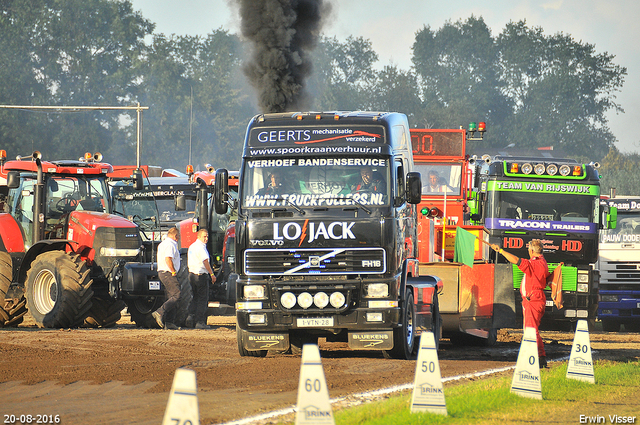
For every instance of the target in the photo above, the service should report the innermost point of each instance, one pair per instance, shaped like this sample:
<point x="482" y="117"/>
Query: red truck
<point x="472" y="299"/>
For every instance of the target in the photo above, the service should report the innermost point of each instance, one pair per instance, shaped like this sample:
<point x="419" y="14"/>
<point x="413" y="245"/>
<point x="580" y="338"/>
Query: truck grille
<point x="569" y="277"/>
<point x="314" y="261"/>
<point x="621" y="275"/>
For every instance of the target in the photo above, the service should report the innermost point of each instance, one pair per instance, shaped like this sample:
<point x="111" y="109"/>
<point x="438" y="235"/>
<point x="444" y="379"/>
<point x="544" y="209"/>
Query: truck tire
<point x="140" y="310"/>
<point x="404" y="340"/>
<point x="12" y="311"/>
<point x="299" y="339"/>
<point x="104" y="313"/>
<point x="611" y="326"/>
<point x="241" y="336"/>
<point x="6" y="275"/>
<point x="58" y="290"/>
<point x="436" y="323"/>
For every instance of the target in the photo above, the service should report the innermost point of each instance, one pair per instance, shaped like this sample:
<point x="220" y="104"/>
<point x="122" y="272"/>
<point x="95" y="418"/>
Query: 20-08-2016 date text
<point x="31" y="419"/>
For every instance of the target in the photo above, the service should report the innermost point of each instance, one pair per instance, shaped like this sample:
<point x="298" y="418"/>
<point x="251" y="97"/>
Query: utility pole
<point x="137" y="108"/>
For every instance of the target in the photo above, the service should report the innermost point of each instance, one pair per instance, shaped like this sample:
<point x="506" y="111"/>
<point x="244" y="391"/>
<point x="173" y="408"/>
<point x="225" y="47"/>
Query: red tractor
<point x="61" y="249"/>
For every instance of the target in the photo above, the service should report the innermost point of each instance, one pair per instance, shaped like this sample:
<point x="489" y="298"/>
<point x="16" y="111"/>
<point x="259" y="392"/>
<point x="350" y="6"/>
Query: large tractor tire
<point x="6" y="275"/>
<point x="404" y="338"/>
<point x="140" y="310"/>
<point x="5" y="281"/>
<point x="58" y="290"/>
<point x="104" y="313"/>
<point x="12" y="311"/>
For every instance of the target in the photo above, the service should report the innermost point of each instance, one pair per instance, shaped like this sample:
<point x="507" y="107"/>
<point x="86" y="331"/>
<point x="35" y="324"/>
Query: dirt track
<point x="124" y="374"/>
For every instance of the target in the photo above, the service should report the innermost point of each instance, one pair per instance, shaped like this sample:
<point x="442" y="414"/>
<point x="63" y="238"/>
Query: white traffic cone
<point x="182" y="407"/>
<point x="581" y="362"/>
<point x="314" y="407"/>
<point x="526" y="377"/>
<point x="428" y="393"/>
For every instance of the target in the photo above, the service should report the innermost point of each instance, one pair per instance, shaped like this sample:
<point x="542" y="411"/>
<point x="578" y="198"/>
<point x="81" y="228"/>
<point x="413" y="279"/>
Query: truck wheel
<point x="140" y="310"/>
<point x="241" y="337"/>
<point x="492" y="339"/>
<point x="436" y="323"/>
<point x="611" y="326"/>
<point x="632" y="327"/>
<point x="6" y="275"/>
<point x="58" y="290"/>
<point x="297" y="340"/>
<point x="404" y="340"/>
<point x="104" y="313"/>
<point x="12" y="311"/>
<point x="9" y="314"/>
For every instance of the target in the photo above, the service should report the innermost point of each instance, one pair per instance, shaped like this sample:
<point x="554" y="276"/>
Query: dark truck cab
<point x="558" y="202"/>
<point x="322" y="251"/>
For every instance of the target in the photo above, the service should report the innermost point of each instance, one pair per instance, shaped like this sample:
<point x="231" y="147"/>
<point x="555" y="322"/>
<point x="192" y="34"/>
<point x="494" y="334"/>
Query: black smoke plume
<point x="282" y="33"/>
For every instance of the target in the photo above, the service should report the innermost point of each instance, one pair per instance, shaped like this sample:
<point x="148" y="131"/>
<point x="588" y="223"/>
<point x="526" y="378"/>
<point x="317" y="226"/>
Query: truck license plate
<point x="315" y="322"/>
<point x="154" y="285"/>
<point x="549" y="303"/>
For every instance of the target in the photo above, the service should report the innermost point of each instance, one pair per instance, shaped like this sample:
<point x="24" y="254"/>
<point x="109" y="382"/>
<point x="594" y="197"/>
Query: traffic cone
<point x="428" y="394"/>
<point x="182" y="407"/>
<point x="526" y="377"/>
<point x="314" y="407"/>
<point x="581" y="362"/>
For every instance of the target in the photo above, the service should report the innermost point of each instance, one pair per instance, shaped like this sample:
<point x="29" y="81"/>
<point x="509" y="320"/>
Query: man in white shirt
<point x="200" y="273"/>
<point x="168" y="266"/>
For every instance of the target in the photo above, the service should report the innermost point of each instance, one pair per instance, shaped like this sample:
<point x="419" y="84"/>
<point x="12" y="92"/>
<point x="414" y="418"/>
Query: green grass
<point x="489" y="401"/>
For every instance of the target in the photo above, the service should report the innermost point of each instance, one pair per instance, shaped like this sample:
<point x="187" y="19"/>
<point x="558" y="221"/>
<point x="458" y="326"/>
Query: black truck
<point x="556" y="201"/>
<point x="325" y="238"/>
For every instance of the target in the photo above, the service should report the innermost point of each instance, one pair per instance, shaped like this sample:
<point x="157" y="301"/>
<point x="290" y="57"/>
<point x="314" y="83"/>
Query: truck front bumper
<point x="269" y="320"/>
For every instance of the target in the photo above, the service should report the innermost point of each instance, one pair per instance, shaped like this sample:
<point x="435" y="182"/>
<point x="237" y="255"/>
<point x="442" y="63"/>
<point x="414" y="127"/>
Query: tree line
<point x="532" y="89"/>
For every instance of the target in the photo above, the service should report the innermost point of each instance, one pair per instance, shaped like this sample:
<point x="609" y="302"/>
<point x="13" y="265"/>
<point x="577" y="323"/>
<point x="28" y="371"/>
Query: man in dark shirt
<point x="368" y="182"/>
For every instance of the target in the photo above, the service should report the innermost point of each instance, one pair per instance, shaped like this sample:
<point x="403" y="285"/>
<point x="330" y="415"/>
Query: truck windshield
<point x="316" y="182"/>
<point x="627" y="229"/>
<point x="142" y="205"/>
<point x="438" y="179"/>
<point x="69" y="193"/>
<point x="541" y="206"/>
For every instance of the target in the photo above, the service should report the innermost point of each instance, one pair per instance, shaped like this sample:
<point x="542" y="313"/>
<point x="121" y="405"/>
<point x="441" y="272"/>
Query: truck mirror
<point x="180" y="203"/>
<point x="612" y="218"/>
<point x="138" y="182"/>
<point x="13" y="179"/>
<point x="413" y="193"/>
<point x="220" y="190"/>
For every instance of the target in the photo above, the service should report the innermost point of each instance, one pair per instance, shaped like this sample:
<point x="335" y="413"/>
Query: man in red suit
<point x="535" y="271"/>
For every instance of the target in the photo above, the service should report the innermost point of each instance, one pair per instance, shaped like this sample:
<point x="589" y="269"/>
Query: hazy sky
<point x="611" y="25"/>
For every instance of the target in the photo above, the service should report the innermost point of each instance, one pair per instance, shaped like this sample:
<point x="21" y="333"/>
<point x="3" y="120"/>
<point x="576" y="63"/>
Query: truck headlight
<point x="253" y="292"/>
<point x="377" y="290"/>
<point x="305" y="300"/>
<point x="583" y="277"/>
<point x="288" y="300"/>
<point x="321" y="300"/>
<point x="583" y="287"/>
<point x="119" y="252"/>
<point x="337" y="299"/>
